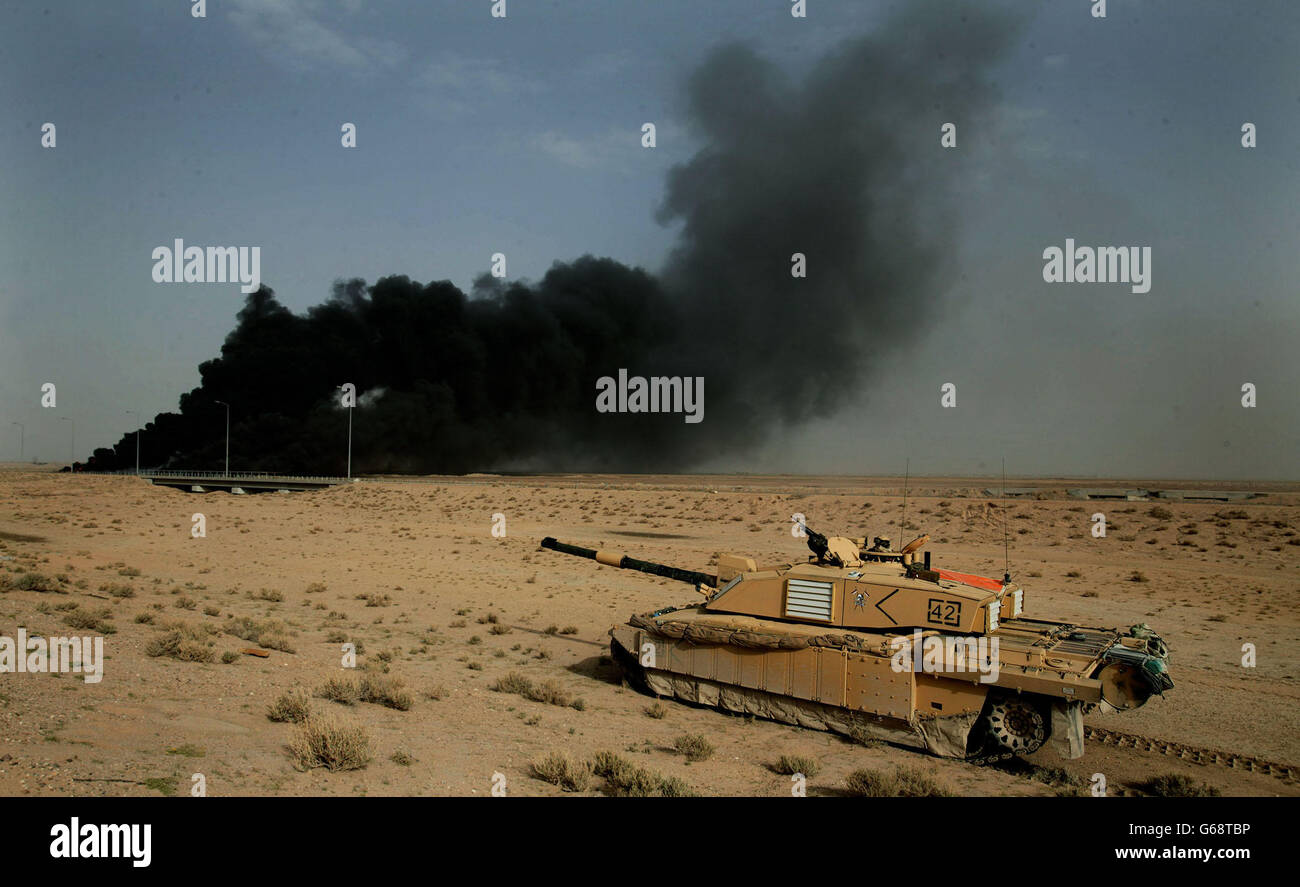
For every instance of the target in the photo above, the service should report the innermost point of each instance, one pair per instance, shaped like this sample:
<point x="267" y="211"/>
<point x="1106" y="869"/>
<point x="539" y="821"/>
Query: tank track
<point x="988" y="760"/>
<point x="1207" y="757"/>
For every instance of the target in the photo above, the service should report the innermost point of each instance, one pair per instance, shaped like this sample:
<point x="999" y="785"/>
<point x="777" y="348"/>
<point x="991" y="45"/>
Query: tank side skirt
<point x="832" y="689"/>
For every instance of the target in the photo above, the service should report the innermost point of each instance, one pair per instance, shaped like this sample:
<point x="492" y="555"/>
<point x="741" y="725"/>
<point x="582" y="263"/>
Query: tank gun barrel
<point x="618" y="559"/>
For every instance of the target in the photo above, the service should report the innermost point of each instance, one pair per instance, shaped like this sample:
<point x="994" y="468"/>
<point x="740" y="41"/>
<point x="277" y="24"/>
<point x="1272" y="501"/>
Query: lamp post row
<point x="138" y="432"/>
<point x="72" y="445"/>
<point x="227" y="406"/>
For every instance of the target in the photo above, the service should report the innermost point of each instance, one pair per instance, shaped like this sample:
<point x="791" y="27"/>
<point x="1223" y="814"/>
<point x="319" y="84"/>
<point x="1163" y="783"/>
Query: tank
<point x="875" y="643"/>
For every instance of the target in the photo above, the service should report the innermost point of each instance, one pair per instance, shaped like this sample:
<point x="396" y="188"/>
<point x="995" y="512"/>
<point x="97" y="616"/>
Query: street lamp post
<point x="22" y="432"/>
<point x="227" y="406"/>
<point x="137" y="441"/>
<point x="72" y="445"/>
<point x="341" y="388"/>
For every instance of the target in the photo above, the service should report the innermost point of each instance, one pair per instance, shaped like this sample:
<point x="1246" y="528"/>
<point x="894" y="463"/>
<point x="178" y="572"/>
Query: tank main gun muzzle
<point x="618" y="559"/>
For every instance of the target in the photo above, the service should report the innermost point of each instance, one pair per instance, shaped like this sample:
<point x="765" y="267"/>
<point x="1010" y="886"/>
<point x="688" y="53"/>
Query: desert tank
<point x="871" y="642"/>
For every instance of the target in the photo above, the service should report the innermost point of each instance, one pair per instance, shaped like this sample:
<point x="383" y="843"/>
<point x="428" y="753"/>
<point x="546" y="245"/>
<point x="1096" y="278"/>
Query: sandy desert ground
<point x="412" y="572"/>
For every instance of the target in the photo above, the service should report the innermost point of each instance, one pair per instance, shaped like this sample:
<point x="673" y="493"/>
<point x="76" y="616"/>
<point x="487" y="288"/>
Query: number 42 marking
<point x="942" y="612"/>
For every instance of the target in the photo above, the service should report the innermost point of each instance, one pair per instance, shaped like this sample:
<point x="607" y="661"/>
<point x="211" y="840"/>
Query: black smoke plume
<point x="844" y="167"/>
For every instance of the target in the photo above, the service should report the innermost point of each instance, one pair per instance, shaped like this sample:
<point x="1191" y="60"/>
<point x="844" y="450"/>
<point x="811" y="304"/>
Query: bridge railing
<point x="241" y="475"/>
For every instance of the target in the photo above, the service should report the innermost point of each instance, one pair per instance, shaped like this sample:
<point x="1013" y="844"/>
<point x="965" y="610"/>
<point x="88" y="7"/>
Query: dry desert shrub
<point x="276" y="640"/>
<point x="1176" y="785"/>
<point x="548" y="692"/>
<point x="90" y="620"/>
<point x="386" y="691"/>
<point x="34" y="582"/>
<point x="903" y="782"/>
<point x="512" y="682"/>
<point x="184" y="643"/>
<point x="375" y="688"/>
<point x="270" y="633"/>
<point x="788" y="765"/>
<point x="694" y="746"/>
<point x="1065" y="783"/>
<point x="164" y="785"/>
<point x="293" y="706"/>
<point x="558" y="768"/>
<point x="624" y="779"/>
<point x="118" y="589"/>
<point x="341" y="690"/>
<point x="325" y="740"/>
<point x="199" y="631"/>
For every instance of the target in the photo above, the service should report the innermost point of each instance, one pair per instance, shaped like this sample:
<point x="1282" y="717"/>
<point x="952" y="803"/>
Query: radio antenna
<point x="907" y="473"/>
<point x="1006" y="545"/>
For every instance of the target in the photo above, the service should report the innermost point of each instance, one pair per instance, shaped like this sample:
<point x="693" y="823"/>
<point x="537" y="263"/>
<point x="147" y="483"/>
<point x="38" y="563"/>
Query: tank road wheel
<point x="1015" y="725"/>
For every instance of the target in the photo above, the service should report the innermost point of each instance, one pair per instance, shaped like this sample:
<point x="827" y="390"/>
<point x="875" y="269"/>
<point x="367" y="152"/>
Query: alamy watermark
<point x="102" y="841"/>
<point x="40" y="655"/>
<point x="1103" y="264"/>
<point x="657" y="394"/>
<point x="945" y="654"/>
<point x="214" y="264"/>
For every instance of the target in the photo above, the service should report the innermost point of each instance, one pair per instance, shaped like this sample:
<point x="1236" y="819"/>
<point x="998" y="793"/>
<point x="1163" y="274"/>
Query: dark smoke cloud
<point x="844" y="167"/>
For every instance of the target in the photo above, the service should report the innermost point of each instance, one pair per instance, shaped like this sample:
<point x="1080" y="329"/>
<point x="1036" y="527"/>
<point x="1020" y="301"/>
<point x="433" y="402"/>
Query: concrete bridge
<point x="240" y="481"/>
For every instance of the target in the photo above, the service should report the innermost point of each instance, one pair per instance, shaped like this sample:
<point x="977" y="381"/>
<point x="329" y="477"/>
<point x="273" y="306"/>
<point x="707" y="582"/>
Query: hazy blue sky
<point x="522" y="136"/>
